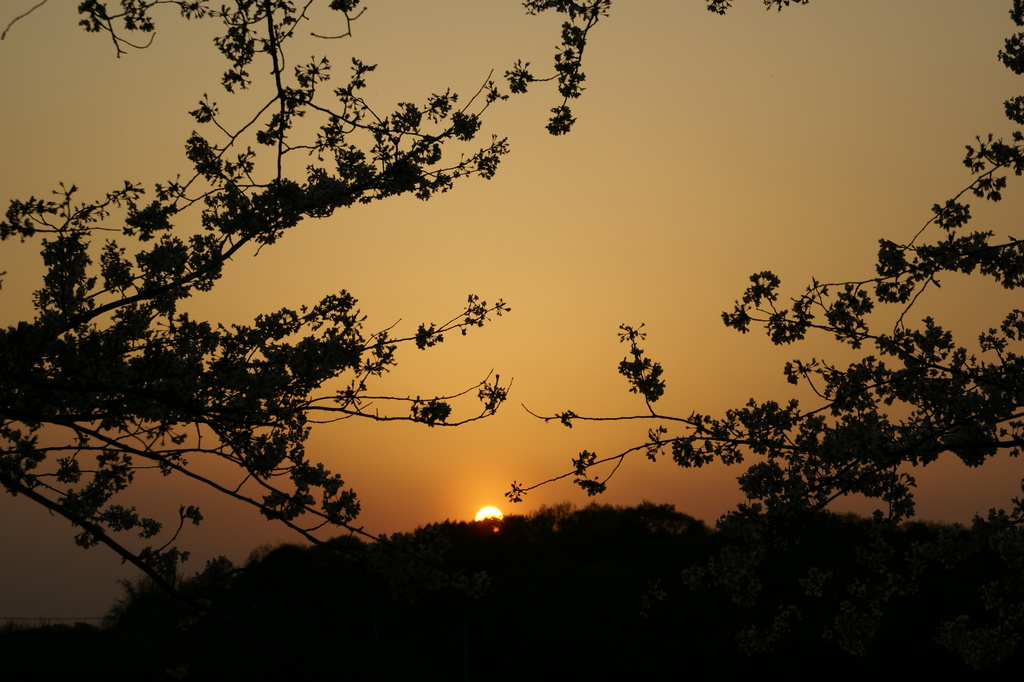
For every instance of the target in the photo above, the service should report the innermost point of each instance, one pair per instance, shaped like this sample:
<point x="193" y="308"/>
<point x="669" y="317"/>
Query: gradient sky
<point x="706" y="148"/>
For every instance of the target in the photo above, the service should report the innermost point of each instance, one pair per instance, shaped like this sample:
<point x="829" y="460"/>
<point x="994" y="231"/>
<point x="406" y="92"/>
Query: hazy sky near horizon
<point x="706" y="148"/>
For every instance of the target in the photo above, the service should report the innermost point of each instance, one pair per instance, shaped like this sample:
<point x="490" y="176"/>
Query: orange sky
<point x="707" y="148"/>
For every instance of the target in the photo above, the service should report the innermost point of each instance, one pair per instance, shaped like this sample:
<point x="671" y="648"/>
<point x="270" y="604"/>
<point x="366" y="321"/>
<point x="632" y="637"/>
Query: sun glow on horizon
<point x="489" y="513"/>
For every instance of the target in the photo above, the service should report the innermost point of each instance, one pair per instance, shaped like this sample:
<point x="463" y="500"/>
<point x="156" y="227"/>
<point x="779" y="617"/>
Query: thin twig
<point x="21" y="16"/>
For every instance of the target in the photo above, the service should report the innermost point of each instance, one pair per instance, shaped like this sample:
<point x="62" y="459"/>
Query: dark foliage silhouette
<point x="111" y="378"/>
<point x="566" y="589"/>
<point x="916" y="394"/>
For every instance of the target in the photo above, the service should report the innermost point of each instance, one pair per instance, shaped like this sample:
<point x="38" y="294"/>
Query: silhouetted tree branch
<point x="110" y="368"/>
<point x="915" y="394"/>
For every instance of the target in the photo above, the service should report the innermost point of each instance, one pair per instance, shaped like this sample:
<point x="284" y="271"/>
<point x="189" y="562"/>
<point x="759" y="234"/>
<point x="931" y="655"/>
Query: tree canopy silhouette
<point x="558" y="581"/>
<point x="110" y="377"/>
<point x="916" y="393"/>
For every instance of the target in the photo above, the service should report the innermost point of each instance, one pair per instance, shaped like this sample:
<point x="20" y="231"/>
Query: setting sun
<point x="489" y="513"/>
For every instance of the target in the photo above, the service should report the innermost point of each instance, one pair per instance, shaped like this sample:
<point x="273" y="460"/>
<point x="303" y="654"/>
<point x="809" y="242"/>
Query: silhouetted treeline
<point x="560" y="594"/>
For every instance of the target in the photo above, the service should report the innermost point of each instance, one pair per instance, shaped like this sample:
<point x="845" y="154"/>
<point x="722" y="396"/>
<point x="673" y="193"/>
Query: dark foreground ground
<point x="592" y="593"/>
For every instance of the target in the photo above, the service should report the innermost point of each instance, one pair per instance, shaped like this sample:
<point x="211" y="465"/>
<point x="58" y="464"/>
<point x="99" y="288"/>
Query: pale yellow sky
<point x="707" y="148"/>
